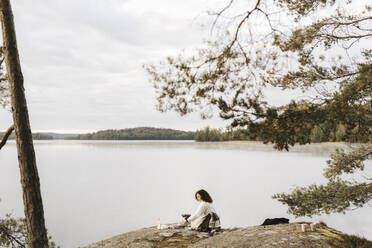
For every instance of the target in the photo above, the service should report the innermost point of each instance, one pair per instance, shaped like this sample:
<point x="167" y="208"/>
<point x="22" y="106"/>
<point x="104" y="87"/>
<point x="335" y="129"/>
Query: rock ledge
<point x="281" y="236"/>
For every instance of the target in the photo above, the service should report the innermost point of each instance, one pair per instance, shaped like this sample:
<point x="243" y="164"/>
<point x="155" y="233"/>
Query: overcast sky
<point x="82" y="60"/>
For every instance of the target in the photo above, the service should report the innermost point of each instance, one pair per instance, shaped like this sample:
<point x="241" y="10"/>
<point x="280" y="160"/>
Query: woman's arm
<point x="198" y="213"/>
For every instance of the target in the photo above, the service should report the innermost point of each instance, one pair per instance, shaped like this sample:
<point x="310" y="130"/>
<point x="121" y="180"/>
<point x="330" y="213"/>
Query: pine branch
<point x="12" y="238"/>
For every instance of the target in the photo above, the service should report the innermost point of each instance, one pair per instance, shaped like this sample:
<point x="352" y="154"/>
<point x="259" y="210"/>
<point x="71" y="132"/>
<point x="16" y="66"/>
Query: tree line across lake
<point x="323" y="133"/>
<point x="139" y="133"/>
<point x="35" y="136"/>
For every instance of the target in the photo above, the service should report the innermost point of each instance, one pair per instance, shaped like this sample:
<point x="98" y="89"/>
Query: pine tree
<point x="321" y="47"/>
<point x="34" y="213"/>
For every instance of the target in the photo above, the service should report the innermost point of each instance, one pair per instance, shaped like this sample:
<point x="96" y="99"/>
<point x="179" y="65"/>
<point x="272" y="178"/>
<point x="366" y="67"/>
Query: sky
<point x="82" y="61"/>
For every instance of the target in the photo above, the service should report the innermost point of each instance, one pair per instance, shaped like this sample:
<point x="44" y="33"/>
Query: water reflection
<point x="315" y="149"/>
<point x="96" y="189"/>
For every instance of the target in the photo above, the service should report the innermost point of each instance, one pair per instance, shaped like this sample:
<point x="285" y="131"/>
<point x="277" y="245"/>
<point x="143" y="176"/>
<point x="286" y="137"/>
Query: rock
<point x="202" y="235"/>
<point x="141" y="245"/>
<point x="155" y="238"/>
<point x="188" y="233"/>
<point x="279" y="236"/>
<point x="174" y="240"/>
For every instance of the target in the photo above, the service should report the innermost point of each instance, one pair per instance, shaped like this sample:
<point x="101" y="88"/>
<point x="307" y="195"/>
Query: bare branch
<point x="352" y="22"/>
<point x="220" y="13"/>
<point x="344" y="37"/>
<point x="6" y="136"/>
<point x="242" y="22"/>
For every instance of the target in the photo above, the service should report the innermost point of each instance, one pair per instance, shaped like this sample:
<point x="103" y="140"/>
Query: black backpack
<point x="275" y="221"/>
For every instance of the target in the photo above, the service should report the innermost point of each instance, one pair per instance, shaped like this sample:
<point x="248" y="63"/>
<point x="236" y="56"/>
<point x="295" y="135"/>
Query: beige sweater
<point x="203" y="210"/>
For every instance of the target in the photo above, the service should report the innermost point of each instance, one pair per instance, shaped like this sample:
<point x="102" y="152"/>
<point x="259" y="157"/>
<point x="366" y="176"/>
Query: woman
<point x="205" y="218"/>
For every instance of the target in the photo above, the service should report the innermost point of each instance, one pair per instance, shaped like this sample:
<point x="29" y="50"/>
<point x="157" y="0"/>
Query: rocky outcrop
<point x="281" y="236"/>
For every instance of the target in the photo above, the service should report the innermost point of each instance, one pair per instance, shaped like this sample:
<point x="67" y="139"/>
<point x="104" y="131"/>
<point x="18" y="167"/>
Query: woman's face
<point x="198" y="197"/>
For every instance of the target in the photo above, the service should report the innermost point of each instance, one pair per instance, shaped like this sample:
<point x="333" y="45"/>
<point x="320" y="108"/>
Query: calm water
<point x="93" y="190"/>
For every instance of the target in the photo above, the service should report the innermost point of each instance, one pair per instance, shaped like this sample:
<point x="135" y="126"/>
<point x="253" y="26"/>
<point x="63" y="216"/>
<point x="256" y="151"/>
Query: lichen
<point x="176" y="240"/>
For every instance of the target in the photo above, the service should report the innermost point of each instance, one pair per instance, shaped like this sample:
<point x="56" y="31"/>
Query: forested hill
<point x="139" y="133"/>
<point x="35" y="136"/>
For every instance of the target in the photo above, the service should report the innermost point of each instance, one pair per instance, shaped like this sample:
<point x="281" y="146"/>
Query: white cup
<point x="303" y="227"/>
<point x="312" y="227"/>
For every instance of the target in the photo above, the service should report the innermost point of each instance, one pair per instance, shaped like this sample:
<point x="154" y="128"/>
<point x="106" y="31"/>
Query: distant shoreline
<point x="138" y="133"/>
<point x="206" y="135"/>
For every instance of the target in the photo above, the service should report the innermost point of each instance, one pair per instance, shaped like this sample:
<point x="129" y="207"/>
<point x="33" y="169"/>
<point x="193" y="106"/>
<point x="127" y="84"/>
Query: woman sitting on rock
<point x="205" y="218"/>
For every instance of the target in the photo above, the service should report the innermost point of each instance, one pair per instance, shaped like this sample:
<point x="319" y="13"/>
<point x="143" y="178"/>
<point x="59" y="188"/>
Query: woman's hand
<point x="183" y="223"/>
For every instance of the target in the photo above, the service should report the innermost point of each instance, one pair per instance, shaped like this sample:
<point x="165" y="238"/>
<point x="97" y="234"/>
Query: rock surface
<point x="283" y="236"/>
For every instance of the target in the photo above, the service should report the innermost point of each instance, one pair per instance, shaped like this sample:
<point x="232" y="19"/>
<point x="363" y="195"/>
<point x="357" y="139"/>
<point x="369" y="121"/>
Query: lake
<point x="93" y="190"/>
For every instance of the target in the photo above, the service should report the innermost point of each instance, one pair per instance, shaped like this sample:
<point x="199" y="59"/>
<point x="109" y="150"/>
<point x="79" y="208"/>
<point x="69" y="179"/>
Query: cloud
<point x="82" y="60"/>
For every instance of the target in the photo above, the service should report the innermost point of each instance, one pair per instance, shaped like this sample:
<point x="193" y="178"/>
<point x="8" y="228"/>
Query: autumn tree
<point x="34" y="213"/>
<point x="321" y="47"/>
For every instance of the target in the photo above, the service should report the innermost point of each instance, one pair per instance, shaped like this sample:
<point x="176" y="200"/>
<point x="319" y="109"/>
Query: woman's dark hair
<point x="204" y="196"/>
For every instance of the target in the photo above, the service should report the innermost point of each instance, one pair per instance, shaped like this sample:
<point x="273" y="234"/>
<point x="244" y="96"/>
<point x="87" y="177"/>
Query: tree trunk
<point x="36" y="231"/>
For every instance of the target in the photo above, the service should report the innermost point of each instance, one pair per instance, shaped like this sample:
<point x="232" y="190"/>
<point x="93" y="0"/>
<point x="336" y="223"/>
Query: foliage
<point x="320" y="47"/>
<point x="324" y="133"/>
<point x="336" y="196"/>
<point x="213" y="134"/>
<point x="139" y="133"/>
<point x="13" y="233"/>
